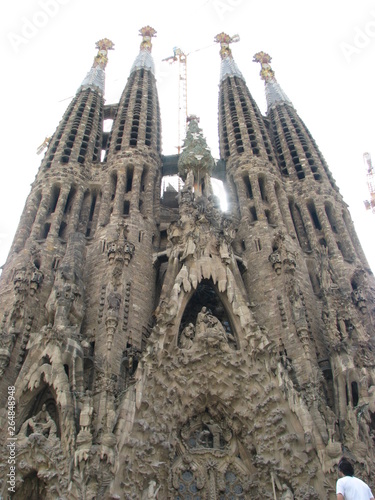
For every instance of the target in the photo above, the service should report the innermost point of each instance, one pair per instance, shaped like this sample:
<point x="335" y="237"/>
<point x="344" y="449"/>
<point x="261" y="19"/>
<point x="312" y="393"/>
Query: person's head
<point x="345" y="467"/>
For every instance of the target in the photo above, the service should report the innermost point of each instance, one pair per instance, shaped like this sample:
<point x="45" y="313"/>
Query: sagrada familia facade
<point x="154" y="346"/>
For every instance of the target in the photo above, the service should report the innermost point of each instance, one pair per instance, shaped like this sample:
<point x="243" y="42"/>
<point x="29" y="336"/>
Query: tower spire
<point x="241" y="125"/>
<point x="96" y="76"/>
<point x="137" y="120"/>
<point x="228" y="65"/>
<point x="78" y="136"/>
<point x="274" y="92"/>
<point x="144" y="58"/>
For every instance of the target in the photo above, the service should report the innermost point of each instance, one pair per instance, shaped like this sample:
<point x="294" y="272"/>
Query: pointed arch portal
<point x="207" y="296"/>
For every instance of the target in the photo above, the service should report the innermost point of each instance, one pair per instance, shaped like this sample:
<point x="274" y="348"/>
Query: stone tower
<point x="156" y="347"/>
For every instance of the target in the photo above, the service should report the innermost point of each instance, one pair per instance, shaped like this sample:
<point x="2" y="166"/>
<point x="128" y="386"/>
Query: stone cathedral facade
<point x="161" y="348"/>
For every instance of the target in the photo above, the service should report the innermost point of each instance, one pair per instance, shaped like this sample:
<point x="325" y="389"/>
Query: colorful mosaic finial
<point x="147" y="33"/>
<point x="192" y="118"/>
<point x="144" y="58"/>
<point x="196" y="156"/>
<point x="103" y="47"/>
<point x="274" y="93"/>
<point x="228" y="66"/>
<point x="224" y="41"/>
<point x="266" y="73"/>
<point x="95" y="78"/>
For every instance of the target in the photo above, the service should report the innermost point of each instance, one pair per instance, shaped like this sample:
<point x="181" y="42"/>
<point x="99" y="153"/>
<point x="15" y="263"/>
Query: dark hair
<point x="346" y="467"/>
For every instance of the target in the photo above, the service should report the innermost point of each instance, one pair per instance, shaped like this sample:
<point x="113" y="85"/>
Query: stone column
<point x="284" y="210"/>
<point x="311" y="235"/>
<point x="26" y="222"/>
<point x="76" y="209"/>
<point x="272" y="200"/>
<point x="241" y="194"/>
<point x="343" y="232"/>
<point x="41" y="216"/>
<point x="104" y="213"/>
<point x="118" y="205"/>
<point x="258" y="203"/>
<point x="59" y="211"/>
<point x="327" y="231"/>
<point x="134" y="198"/>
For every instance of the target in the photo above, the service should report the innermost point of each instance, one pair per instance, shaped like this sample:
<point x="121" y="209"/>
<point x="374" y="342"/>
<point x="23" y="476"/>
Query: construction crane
<point x="370" y="173"/>
<point x="181" y="57"/>
<point x="43" y="146"/>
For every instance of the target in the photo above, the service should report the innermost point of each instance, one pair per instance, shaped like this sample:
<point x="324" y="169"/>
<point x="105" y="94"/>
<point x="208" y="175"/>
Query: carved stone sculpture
<point x="41" y="423"/>
<point x="187" y="336"/>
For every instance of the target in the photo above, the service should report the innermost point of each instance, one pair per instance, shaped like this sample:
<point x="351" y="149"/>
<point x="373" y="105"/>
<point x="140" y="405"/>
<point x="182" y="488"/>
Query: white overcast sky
<point x="323" y="55"/>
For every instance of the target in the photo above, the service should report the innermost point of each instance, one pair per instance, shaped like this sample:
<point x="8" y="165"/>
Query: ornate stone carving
<point x="20" y="281"/>
<point x="205" y="432"/>
<point x="108" y="448"/>
<point x="325" y="270"/>
<point x="210" y="330"/>
<point x="114" y="302"/>
<point x="187" y="336"/>
<point x="120" y="251"/>
<point x="151" y="491"/>
<point x="36" y="280"/>
<point x="111" y="251"/>
<point x="195" y="161"/>
<point x="41" y="423"/>
<point x="86" y="412"/>
<point x="65" y="304"/>
<point x="7" y="341"/>
<point x="287" y="493"/>
<point x="112" y="317"/>
<point x="129" y="364"/>
<point x="359" y="299"/>
<point x="275" y="259"/>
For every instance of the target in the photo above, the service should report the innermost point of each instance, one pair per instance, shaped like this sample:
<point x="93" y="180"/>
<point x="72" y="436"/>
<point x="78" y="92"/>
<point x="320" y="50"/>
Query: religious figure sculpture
<point x="287" y="493"/>
<point x="209" y="328"/>
<point x="187" y="336"/>
<point x="275" y="259"/>
<point x="151" y="492"/>
<point x="36" y="280"/>
<point x="65" y="303"/>
<point x="41" y="423"/>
